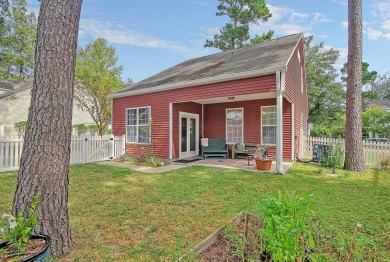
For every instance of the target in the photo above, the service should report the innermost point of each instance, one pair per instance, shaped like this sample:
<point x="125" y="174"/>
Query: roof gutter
<point x="204" y="81"/>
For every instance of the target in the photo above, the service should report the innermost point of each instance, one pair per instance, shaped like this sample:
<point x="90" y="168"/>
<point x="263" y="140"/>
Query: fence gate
<point x="84" y="149"/>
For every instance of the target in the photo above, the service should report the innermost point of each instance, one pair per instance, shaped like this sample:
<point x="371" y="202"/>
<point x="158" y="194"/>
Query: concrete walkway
<point x="238" y="164"/>
<point x="144" y="169"/>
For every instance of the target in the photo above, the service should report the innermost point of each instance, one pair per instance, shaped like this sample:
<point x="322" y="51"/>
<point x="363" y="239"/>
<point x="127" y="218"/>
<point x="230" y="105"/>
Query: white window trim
<point x="261" y="125"/>
<point x="242" y="128"/>
<point x="150" y="126"/>
<point x="300" y="70"/>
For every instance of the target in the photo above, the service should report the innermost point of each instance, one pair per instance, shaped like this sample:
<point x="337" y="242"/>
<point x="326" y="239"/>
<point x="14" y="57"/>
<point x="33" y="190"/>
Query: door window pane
<point x="183" y="134"/>
<point x="192" y="134"/>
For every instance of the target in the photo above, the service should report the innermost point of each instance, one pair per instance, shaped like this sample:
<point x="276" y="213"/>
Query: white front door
<point x="189" y="135"/>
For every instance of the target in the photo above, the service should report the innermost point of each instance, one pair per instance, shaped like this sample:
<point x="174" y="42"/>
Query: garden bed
<point x="236" y="240"/>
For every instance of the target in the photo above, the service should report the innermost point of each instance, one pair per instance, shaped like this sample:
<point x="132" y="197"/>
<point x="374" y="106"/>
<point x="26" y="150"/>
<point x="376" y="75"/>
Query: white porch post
<point x="170" y="131"/>
<point x="279" y="125"/>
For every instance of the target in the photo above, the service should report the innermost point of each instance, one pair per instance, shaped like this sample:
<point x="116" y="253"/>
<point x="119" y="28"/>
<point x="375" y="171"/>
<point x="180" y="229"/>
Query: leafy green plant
<point x="236" y="241"/>
<point x="21" y="128"/>
<point x="289" y="228"/>
<point x="19" y="229"/>
<point x="154" y="161"/>
<point x="320" y="170"/>
<point x="80" y="129"/>
<point x="334" y="157"/>
<point x="127" y="158"/>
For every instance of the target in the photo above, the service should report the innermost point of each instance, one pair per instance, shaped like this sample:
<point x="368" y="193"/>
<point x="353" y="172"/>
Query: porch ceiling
<point x="224" y="99"/>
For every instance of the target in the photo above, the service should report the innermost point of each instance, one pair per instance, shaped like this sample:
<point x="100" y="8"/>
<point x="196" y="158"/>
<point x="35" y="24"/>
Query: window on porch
<point x="268" y="125"/>
<point x="234" y="125"/>
<point x="138" y="125"/>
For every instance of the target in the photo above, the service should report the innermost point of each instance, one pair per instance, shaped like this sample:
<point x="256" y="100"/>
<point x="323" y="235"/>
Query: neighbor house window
<point x="138" y="125"/>
<point x="234" y="125"/>
<point x="268" y="125"/>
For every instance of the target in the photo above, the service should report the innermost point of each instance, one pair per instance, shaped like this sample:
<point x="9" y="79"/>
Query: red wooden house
<point x="255" y="94"/>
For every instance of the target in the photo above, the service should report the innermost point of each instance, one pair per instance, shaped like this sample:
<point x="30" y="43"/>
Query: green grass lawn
<point x="122" y="215"/>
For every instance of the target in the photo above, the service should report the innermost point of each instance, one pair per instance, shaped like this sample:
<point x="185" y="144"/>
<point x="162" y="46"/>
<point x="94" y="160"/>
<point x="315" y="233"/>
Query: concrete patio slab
<point x="241" y="164"/>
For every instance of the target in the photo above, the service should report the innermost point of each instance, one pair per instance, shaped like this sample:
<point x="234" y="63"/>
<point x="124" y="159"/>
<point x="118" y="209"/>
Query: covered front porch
<point x="262" y="118"/>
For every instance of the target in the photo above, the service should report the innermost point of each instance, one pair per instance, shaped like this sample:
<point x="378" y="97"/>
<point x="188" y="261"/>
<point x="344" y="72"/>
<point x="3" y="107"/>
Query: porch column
<point x="279" y="125"/>
<point x="170" y="131"/>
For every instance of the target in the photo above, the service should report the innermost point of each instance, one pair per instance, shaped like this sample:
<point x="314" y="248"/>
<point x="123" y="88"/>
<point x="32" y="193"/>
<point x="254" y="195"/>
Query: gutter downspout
<point x="279" y="125"/>
<point x="170" y="131"/>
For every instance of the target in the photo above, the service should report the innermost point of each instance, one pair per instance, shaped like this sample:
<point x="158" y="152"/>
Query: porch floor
<point x="237" y="164"/>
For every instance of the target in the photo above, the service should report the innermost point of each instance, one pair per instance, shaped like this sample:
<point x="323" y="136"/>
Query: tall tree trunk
<point x="44" y="165"/>
<point x="354" y="159"/>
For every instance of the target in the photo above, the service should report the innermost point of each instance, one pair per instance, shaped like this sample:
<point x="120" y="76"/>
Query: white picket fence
<point x="84" y="149"/>
<point x="373" y="151"/>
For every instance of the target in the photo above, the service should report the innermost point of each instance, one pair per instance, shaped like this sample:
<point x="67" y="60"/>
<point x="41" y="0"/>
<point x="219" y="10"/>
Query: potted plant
<point x="262" y="161"/>
<point x="20" y="244"/>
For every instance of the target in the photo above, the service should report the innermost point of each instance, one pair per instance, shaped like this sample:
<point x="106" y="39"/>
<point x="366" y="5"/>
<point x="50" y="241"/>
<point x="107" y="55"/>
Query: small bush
<point x="320" y="170"/>
<point x="290" y="227"/>
<point x="321" y="131"/>
<point x="334" y="157"/>
<point x="384" y="162"/>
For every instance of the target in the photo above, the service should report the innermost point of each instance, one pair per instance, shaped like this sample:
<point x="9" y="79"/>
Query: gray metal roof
<point x="14" y="87"/>
<point x="271" y="54"/>
<point x="383" y="102"/>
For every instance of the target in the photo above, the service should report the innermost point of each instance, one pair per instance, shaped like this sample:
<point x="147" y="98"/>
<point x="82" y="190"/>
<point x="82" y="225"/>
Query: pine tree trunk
<point x="354" y="158"/>
<point x="44" y="165"/>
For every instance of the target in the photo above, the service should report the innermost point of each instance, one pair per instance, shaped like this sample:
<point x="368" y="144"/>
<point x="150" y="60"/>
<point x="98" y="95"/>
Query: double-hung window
<point x="268" y="125"/>
<point x="138" y="125"/>
<point x="234" y="125"/>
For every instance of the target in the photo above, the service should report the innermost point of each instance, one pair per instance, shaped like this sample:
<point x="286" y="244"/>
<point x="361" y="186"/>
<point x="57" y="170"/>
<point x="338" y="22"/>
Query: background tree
<point x="325" y="94"/>
<point x="382" y="87"/>
<point x="376" y="120"/>
<point x="20" y="127"/>
<point x="44" y="165"/>
<point x="97" y="76"/>
<point x="242" y="13"/>
<point x="17" y="42"/>
<point x="354" y="158"/>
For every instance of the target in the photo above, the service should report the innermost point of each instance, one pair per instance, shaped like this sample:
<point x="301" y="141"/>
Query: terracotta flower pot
<point x="263" y="164"/>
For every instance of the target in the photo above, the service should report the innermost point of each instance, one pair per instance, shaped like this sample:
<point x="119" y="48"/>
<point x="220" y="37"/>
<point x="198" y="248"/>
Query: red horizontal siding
<point x="293" y="89"/>
<point x="159" y="103"/>
<point x="214" y="122"/>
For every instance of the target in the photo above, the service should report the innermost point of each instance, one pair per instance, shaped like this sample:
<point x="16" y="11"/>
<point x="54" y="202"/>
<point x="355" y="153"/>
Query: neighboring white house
<point x="15" y="101"/>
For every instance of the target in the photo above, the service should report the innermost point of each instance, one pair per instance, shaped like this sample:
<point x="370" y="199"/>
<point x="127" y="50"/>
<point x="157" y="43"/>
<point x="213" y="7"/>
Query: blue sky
<point x="150" y="36"/>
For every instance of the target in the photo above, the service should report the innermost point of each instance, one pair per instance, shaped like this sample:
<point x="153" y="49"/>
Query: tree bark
<point x="354" y="158"/>
<point x="44" y="165"/>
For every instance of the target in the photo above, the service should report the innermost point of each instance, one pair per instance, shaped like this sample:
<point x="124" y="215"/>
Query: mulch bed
<point x="225" y="249"/>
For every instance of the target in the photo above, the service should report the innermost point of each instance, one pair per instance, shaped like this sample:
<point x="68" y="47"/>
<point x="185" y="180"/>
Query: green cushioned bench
<point x="216" y="147"/>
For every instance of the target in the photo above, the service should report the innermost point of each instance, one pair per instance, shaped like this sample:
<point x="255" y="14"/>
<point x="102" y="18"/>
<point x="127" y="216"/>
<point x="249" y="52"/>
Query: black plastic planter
<point x="42" y="256"/>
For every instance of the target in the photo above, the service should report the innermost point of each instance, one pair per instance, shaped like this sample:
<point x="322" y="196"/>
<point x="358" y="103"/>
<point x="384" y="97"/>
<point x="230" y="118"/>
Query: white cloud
<point x="121" y="35"/>
<point x="213" y="30"/>
<point x="341" y="2"/>
<point x="383" y="8"/>
<point x="344" y="24"/>
<point x="372" y="34"/>
<point x="319" y="17"/>
<point x="299" y="15"/>
<point x="283" y="22"/>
